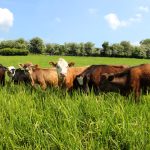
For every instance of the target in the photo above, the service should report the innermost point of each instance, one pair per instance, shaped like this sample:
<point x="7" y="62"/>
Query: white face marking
<point x="80" y="80"/>
<point x="11" y="71"/>
<point x="62" y="67"/>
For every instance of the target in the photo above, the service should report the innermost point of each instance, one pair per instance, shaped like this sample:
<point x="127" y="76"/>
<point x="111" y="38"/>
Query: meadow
<point x="52" y="119"/>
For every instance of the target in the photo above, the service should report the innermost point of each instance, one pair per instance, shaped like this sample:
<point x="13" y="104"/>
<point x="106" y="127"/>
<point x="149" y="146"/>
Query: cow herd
<point x="99" y="78"/>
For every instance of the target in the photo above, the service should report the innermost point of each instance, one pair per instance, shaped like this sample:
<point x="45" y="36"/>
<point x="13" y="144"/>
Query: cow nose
<point x="62" y="75"/>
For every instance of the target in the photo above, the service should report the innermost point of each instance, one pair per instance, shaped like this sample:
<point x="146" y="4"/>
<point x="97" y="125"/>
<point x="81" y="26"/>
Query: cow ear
<point x="35" y="66"/>
<point x="53" y="64"/>
<point x="5" y="68"/>
<point x="21" y="65"/>
<point x="71" y="64"/>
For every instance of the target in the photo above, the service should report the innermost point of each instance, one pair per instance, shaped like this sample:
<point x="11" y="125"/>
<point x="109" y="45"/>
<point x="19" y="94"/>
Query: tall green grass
<point x="53" y="119"/>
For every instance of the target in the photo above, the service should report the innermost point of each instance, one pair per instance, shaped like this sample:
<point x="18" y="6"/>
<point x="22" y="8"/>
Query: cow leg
<point x="96" y="89"/>
<point x="43" y="85"/>
<point x="3" y="80"/>
<point x="137" y="91"/>
<point x="33" y="83"/>
<point x="144" y="90"/>
<point x="86" y="84"/>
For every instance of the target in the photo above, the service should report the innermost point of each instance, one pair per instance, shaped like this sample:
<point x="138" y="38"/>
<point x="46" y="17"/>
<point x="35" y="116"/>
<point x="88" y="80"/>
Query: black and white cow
<point x="18" y="75"/>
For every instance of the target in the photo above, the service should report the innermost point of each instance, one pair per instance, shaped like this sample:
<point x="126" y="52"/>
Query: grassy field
<point x="53" y="120"/>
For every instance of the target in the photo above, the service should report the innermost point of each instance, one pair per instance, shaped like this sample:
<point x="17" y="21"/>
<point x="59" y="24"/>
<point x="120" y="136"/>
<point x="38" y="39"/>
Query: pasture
<point x="53" y="120"/>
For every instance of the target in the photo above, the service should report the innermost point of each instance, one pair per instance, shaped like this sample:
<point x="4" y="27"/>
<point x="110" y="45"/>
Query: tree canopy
<point x="123" y="49"/>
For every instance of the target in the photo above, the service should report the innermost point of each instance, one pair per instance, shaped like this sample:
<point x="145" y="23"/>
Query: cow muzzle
<point x="62" y="75"/>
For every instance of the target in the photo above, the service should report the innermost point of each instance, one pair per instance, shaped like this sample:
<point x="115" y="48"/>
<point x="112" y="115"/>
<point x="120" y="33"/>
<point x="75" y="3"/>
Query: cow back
<point x="45" y="75"/>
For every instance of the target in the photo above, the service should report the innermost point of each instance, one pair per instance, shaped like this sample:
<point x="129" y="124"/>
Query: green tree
<point x="82" y="50"/>
<point x="36" y="45"/>
<point x="127" y="50"/>
<point x="106" y="49"/>
<point x="21" y="43"/>
<point x="50" y="49"/>
<point x="117" y="50"/>
<point x="88" y="47"/>
<point x="56" y="49"/>
<point x="62" y="50"/>
<point x="96" y="51"/>
<point x="72" y="49"/>
<point x="7" y="44"/>
<point x="145" y="44"/>
<point x="138" y="52"/>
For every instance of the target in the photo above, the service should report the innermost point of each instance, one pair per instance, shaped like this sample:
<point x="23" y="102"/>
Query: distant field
<point x="80" y="61"/>
<point x="54" y="120"/>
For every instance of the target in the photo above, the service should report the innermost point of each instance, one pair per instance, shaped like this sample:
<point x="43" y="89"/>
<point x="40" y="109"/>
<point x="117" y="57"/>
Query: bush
<point x="13" y="52"/>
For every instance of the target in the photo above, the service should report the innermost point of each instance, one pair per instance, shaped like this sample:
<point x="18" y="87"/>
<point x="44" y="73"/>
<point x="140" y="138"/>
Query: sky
<point x="60" y="21"/>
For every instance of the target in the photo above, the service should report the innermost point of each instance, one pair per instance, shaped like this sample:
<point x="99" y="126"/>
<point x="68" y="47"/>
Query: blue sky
<point x="60" y="21"/>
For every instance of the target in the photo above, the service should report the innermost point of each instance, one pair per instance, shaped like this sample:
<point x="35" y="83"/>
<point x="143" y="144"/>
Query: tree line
<point x="37" y="46"/>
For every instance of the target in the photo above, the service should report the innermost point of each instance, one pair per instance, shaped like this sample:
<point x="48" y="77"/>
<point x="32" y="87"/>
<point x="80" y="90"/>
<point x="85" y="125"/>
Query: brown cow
<point x="2" y="74"/>
<point x="66" y="73"/>
<point x="25" y="65"/>
<point x="134" y="79"/>
<point x="91" y="77"/>
<point x="44" y="77"/>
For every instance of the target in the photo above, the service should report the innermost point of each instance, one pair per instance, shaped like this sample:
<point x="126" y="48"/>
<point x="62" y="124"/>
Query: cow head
<point x="31" y="68"/>
<point x="62" y="67"/>
<point x="26" y="65"/>
<point x="21" y="75"/>
<point x="11" y="71"/>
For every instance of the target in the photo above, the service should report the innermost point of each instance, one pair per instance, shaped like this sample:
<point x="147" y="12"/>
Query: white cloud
<point x="57" y="19"/>
<point x="114" y="22"/>
<point x="93" y="11"/>
<point x="136" y="18"/>
<point x="144" y="9"/>
<point x="6" y="19"/>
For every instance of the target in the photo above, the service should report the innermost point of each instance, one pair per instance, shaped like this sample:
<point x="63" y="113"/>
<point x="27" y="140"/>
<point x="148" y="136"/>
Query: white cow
<point x="66" y="73"/>
<point x="11" y="72"/>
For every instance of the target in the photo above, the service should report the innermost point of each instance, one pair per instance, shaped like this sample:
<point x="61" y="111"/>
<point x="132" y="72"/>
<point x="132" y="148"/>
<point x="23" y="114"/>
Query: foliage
<point x="13" y="52"/>
<point x="117" y="50"/>
<point x="19" y="44"/>
<point x="72" y="49"/>
<point x="82" y="49"/>
<point x="89" y="47"/>
<point x="138" y="52"/>
<point x="36" y="45"/>
<point x="145" y="44"/>
<point x="127" y="48"/>
<point x="105" y="50"/>
<point x="122" y="49"/>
